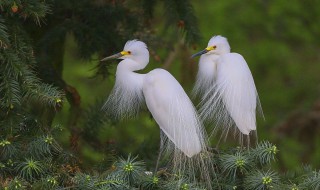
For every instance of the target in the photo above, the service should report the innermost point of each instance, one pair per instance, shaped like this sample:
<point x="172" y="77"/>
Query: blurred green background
<point x="279" y="40"/>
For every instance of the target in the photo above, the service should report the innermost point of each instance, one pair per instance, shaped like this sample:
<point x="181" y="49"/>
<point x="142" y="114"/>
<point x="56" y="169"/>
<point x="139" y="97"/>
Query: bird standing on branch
<point x="227" y="90"/>
<point x="182" y="132"/>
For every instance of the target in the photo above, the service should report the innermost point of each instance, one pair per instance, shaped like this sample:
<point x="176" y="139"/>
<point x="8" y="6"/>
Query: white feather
<point x="184" y="139"/>
<point x="173" y="111"/>
<point x="206" y="75"/>
<point x="126" y="97"/>
<point x="239" y="93"/>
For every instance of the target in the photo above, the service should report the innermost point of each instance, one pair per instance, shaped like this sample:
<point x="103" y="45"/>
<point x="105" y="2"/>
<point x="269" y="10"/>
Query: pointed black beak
<point x="115" y="56"/>
<point x="199" y="53"/>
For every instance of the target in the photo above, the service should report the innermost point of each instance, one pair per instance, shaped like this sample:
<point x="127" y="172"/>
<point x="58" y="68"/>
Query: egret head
<point x="217" y="45"/>
<point x="135" y="50"/>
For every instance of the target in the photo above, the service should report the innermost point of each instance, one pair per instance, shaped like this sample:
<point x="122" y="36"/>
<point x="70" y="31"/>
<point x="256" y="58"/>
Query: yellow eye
<point x="125" y="52"/>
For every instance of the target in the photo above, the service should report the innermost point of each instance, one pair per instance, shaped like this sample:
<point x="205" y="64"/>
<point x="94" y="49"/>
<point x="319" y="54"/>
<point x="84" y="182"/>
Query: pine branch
<point x="130" y="170"/>
<point x="312" y="181"/>
<point x="4" y="36"/>
<point x="112" y="182"/>
<point x="45" y="93"/>
<point x="94" y="119"/>
<point x="17" y="183"/>
<point x="181" y="13"/>
<point x="265" y="152"/>
<point x="262" y="180"/>
<point x="237" y="163"/>
<point x="10" y="91"/>
<point x="31" y="169"/>
<point x="35" y="9"/>
<point x="7" y="149"/>
<point x="44" y="146"/>
<point x="17" y="74"/>
<point x="151" y="182"/>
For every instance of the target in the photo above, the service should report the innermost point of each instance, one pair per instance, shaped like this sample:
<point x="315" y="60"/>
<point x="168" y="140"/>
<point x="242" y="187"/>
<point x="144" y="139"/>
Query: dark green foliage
<point x="148" y="7"/>
<point x="236" y="164"/>
<point x="33" y="9"/>
<point x="4" y="36"/>
<point x="17" y="183"/>
<point x="151" y="182"/>
<point x="18" y="81"/>
<point x="32" y="90"/>
<point x="259" y="180"/>
<point x="130" y="170"/>
<point x="94" y="120"/>
<point x="312" y="180"/>
<point x="8" y="149"/>
<point x="265" y="152"/>
<point x="44" y="146"/>
<point x="31" y="169"/>
<point x="180" y="13"/>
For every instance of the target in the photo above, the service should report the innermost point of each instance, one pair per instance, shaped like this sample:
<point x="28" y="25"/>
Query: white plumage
<point x="173" y="111"/>
<point x="206" y="76"/>
<point x="182" y="137"/>
<point x="226" y="87"/>
<point x="163" y="95"/>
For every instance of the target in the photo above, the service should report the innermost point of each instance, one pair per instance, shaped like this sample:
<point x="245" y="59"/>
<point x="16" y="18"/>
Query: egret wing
<point x="233" y="98"/>
<point x="173" y="111"/>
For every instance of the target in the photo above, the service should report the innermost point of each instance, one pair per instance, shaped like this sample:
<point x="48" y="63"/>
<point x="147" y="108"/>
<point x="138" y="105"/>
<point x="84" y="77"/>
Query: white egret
<point x="226" y="87"/>
<point x="168" y="103"/>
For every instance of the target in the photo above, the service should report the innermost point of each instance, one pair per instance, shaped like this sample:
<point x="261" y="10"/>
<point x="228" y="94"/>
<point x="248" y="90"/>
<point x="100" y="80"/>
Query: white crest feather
<point x="131" y="45"/>
<point x="221" y="43"/>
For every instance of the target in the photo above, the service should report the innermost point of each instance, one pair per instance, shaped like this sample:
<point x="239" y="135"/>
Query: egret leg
<point x="256" y="136"/>
<point x="158" y="160"/>
<point x="241" y="140"/>
<point x="218" y="143"/>
<point x="162" y="142"/>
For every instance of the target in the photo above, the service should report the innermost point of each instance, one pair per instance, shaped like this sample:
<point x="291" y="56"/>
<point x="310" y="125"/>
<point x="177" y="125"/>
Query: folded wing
<point x="173" y="111"/>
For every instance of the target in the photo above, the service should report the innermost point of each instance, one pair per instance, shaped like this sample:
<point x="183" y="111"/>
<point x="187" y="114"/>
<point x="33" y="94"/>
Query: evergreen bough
<point x="30" y="155"/>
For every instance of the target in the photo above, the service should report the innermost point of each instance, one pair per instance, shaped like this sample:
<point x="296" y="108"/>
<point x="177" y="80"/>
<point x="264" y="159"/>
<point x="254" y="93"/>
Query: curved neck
<point x="125" y="75"/>
<point x="209" y="58"/>
<point x="133" y="64"/>
<point x="125" y="72"/>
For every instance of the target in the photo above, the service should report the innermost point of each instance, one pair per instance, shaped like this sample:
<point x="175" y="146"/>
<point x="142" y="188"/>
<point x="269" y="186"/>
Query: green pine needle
<point x="265" y="152"/>
<point x="17" y="184"/>
<point x="312" y="180"/>
<point x="261" y="180"/>
<point x="31" y="169"/>
<point x="237" y="163"/>
<point x="130" y="169"/>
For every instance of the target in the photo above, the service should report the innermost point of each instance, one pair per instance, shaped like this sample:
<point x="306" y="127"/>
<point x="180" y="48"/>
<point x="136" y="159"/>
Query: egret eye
<point x="129" y="52"/>
<point x="214" y="47"/>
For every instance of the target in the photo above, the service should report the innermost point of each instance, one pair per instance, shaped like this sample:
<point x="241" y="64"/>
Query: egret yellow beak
<point x="116" y="56"/>
<point x="203" y="51"/>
